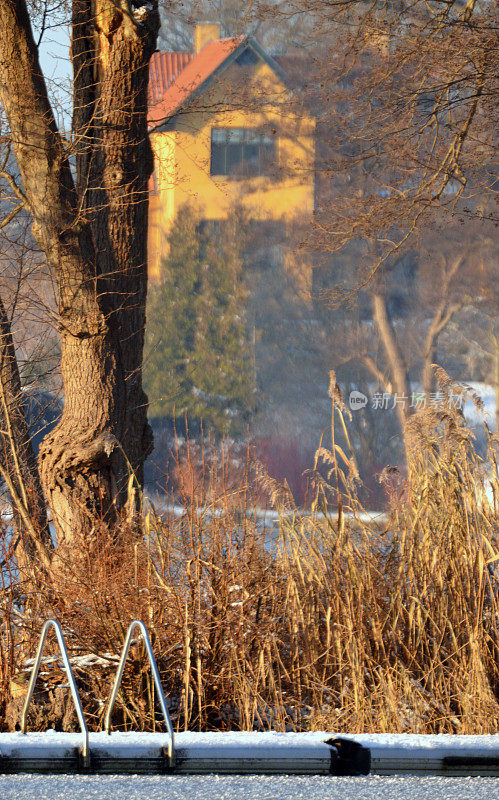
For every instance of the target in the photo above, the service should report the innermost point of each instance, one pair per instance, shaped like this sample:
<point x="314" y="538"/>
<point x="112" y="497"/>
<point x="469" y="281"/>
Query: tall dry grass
<point x="324" y="621"/>
<point x="404" y="623"/>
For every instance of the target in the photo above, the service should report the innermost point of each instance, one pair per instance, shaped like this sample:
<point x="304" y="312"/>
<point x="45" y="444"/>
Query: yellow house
<point x="226" y="128"/>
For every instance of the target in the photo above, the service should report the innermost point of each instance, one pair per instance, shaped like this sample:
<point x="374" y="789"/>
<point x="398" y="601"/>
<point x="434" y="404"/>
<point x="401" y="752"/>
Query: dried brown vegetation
<point x="323" y="622"/>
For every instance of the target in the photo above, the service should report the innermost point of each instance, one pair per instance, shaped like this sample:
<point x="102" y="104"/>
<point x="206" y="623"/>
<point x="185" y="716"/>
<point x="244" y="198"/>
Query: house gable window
<point x="241" y="152"/>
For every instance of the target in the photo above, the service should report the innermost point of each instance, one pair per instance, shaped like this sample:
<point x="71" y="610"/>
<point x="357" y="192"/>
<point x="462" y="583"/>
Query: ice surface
<point x="236" y="787"/>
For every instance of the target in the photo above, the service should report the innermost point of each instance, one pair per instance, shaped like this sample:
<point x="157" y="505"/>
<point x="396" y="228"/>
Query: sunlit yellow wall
<point x="182" y="156"/>
<point x="161" y="200"/>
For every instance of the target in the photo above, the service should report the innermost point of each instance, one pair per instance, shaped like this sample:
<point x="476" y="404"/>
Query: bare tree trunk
<point x="399" y="378"/>
<point x="94" y="237"/>
<point x="428" y="362"/>
<point x="18" y="462"/>
<point x="114" y="160"/>
<point x="398" y="369"/>
<point x="441" y="318"/>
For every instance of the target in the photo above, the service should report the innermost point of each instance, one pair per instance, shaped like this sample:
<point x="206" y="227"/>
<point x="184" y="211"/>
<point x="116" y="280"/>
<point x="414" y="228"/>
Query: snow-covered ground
<point x="236" y="787"/>
<point x="215" y="744"/>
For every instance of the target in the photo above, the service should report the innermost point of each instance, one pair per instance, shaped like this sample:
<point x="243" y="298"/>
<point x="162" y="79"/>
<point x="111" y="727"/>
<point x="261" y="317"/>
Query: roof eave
<point x="166" y="124"/>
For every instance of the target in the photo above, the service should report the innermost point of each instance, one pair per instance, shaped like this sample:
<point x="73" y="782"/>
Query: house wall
<point x="248" y="96"/>
<point x="161" y="199"/>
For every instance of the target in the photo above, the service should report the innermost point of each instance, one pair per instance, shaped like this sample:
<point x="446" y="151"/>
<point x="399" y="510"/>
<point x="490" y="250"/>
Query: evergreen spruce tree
<point x="198" y="353"/>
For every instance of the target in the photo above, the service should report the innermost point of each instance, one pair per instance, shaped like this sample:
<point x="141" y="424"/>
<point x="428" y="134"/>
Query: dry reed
<point x="323" y="621"/>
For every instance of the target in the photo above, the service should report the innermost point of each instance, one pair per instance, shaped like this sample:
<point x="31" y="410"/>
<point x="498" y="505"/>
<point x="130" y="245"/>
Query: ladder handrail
<point x="157" y="682"/>
<point x="69" y="672"/>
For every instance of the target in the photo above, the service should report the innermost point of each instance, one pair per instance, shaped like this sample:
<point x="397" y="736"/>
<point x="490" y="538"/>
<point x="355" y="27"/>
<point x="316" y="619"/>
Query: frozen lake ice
<point x="236" y="787"/>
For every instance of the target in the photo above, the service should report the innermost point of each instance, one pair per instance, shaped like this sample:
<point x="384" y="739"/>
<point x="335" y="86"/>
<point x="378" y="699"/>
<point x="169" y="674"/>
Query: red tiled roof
<point x="164" y="68"/>
<point x="197" y="68"/>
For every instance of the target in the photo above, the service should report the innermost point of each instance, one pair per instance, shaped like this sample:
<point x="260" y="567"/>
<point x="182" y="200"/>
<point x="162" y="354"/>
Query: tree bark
<point x="93" y="233"/>
<point x="115" y="161"/>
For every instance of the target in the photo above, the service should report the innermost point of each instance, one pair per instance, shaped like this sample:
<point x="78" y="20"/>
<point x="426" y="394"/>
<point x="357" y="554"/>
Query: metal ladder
<point x="157" y="682"/>
<point x="52" y="623"/>
<point x="85" y="750"/>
